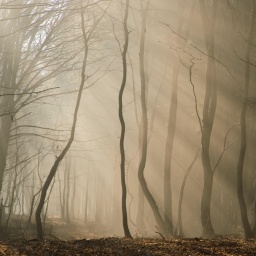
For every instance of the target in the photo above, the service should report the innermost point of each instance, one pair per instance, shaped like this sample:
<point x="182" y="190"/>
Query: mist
<point x="128" y="118"/>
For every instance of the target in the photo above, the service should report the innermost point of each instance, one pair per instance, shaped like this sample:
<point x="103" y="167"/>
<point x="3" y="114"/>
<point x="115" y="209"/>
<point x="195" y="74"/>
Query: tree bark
<point x="66" y="148"/>
<point x="147" y="193"/>
<point x="179" y="231"/>
<point x="240" y="166"/>
<point x="67" y="182"/>
<point x="121" y="119"/>
<point x="72" y="207"/>
<point x="210" y="102"/>
<point x="168" y="152"/>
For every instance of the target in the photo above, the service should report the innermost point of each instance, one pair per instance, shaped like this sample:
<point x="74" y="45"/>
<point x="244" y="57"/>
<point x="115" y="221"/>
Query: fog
<point x="188" y="161"/>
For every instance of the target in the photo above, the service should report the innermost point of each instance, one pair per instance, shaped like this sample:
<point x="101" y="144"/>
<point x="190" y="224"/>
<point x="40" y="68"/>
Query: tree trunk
<point x="168" y="152"/>
<point x="10" y="65"/>
<point x="86" y="200"/>
<point x="147" y="193"/>
<point x="61" y="198"/>
<point x="72" y="207"/>
<point x="140" y="224"/>
<point x="48" y="200"/>
<point x="141" y="228"/>
<point x="240" y="166"/>
<point x="64" y="198"/>
<point x="67" y="195"/>
<point x="121" y="119"/>
<point x="179" y="231"/>
<point x="66" y="148"/>
<point x="210" y="102"/>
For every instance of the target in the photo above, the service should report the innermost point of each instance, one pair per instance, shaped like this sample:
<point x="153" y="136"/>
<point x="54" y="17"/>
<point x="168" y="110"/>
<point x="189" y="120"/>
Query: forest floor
<point x="80" y="244"/>
<point x="123" y="246"/>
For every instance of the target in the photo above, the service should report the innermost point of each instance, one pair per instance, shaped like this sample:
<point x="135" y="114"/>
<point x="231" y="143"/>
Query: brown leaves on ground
<point x="123" y="246"/>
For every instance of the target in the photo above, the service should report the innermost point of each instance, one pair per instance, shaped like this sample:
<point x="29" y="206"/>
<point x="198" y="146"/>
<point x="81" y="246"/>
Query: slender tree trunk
<point x="121" y="119"/>
<point x="98" y="195"/>
<point x="140" y="224"/>
<point x="141" y="228"/>
<point x="10" y="65"/>
<point x="64" y="198"/>
<point x="48" y="200"/>
<point x="67" y="195"/>
<point x="168" y="152"/>
<point x="31" y="209"/>
<point x="72" y="210"/>
<point x="12" y="196"/>
<point x="66" y="148"/>
<point x="240" y="166"/>
<point x="184" y="31"/>
<point x="61" y="198"/>
<point x="179" y="231"/>
<point x="254" y="212"/>
<point x="147" y="193"/>
<point x="7" y="105"/>
<point x="86" y="200"/>
<point x="210" y="102"/>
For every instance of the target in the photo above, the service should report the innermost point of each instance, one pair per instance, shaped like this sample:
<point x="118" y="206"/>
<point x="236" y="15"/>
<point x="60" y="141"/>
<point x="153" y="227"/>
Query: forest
<point x="128" y="118"/>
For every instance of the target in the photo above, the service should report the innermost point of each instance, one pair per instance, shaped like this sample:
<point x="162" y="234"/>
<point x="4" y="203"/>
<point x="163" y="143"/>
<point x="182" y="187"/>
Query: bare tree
<point x="86" y="37"/>
<point x="122" y="122"/>
<point x="241" y="161"/>
<point x="209" y="108"/>
<point x="23" y="61"/>
<point x="142" y="164"/>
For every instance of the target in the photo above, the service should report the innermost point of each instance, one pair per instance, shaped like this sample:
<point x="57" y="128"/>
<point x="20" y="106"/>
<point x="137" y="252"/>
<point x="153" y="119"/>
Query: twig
<point x="161" y="235"/>
<point x="27" y="93"/>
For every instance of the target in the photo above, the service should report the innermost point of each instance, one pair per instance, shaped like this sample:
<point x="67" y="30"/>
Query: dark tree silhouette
<point x="209" y="108"/>
<point x="122" y="122"/>
<point x="72" y="134"/>
<point x="146" y="191"/>
<point x="241" y="161"/>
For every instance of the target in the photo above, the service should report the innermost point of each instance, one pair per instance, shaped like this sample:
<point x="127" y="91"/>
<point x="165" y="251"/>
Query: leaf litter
<point x="124" y="246"/>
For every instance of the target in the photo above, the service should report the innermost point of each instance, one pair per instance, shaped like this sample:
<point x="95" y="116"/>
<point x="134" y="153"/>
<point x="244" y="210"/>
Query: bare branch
<point x="28" y="93"/>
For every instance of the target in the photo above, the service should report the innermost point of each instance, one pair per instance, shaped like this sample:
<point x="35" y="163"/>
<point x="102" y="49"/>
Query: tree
<point x="27" y="48"/>
<point x="142" y="164"/>
<point x="9" y="70"/>
<point x="179" y="231"/>
<point x="243" y="129"/>
<point x="86" y="37"/>
<point x="209" y="107"/>
<point x="172" y="121"/>
<point x="121" y="118"/>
